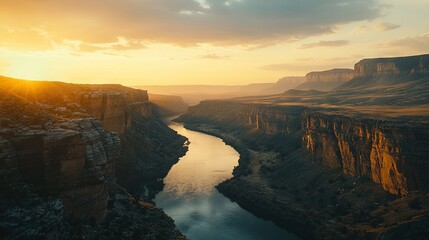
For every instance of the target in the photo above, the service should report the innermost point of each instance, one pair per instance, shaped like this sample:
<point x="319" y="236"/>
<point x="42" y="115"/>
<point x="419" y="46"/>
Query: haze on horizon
<point x="168" y="42"/>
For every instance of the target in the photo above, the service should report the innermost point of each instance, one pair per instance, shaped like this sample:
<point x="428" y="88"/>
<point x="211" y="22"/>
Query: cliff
<point x="111" y="107"/>
<point x="326" y="80"/>
<point x="390" y="152"/>
<point x="70" y="160"/>
<point x="334" y="75"/>
<point x="392" y="66"/>
<point x="70" y="143"/>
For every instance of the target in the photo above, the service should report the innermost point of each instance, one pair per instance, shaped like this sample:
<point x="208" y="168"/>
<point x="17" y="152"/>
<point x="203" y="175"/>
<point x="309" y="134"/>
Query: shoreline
<point x="247" y="205"/>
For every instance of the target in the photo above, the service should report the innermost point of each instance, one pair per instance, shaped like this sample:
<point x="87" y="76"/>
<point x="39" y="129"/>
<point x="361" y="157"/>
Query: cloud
<point x="121" y="45"/>
<point x="417" y="44"/>
<point x="185" y="22"/>
<point x="312" y="64"/>
<point x="336" y="43"/>
<point x="24" y="39"/>
<point x="381" y="27"/>
<point x="294" y="67"/>
<point x="213" y="56"/>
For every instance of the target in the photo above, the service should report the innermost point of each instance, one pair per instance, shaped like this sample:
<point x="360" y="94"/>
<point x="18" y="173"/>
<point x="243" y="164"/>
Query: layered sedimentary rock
<point x="334" y="75"/>
<point x="326" y="80"/>
<point x="389" y="66"/>
<point x="381" y="145"/>
<point x="71" y="160"/>
<point x="392" y="153"/>
<point x="112" y="107"/>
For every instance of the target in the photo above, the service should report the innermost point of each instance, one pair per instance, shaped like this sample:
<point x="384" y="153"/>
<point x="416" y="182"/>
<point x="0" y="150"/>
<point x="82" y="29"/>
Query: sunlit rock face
<point x="326" y="80"/>
<point x="388" y="152"/>
<point x="112" y="107"/>
<point x="334" y="75"/>
<point x="389" y="66"/>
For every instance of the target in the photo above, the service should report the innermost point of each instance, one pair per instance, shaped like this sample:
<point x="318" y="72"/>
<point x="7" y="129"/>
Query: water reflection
<point x="199" y="210"/>
<point x="207" y="163"/>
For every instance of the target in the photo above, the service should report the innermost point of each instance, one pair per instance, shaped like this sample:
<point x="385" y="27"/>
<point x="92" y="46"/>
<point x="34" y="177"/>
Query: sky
<point x="228" y="42"/>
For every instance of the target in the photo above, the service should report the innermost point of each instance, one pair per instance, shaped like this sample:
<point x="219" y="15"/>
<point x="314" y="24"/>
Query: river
<point x="198" y="209"/>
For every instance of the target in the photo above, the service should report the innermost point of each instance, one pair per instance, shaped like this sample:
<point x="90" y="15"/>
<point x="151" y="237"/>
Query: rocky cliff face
<point x="68" y="141"/>
<point x="392" y="66"/>
<point x="326" y="80"/>
<point x="389" y="152"/>
<point x="71" y="160"/>
<point x="112" y="107"/>
<point x="334" y="75"/>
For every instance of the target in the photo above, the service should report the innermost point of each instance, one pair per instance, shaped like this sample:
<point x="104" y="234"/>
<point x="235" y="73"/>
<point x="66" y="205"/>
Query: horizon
<point x="202" y="42"/>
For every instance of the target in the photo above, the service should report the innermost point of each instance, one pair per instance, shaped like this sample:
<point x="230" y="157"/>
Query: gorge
<point x="93" y="161"/>
<point x="341" y="158"/>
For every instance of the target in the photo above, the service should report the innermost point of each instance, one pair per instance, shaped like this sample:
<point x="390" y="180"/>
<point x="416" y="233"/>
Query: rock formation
<point x="326" y="80"/>
<point x="68" y="142"/>
<point x="334" y="75"/>
<point x="392" y="66"/>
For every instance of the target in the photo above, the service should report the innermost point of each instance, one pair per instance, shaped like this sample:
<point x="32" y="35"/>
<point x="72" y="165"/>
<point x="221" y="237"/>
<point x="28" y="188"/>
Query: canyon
<point x="66" y="153"/>
<point x="342" y="155"/>
<point x="350" y="162"/>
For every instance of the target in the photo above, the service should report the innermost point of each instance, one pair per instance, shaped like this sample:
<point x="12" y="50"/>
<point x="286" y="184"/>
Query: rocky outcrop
<point x="334" y="75"/>
<point x="71" y="160"/>
<point x="68" y="144"/>
<point x="392" y="66"/>
<point x="112" y="107"/>
<point x="326" y="80"/>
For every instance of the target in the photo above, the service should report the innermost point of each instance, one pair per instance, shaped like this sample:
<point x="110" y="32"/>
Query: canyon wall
<point x="334" y="75"/>
<point x="112" y="107"/>
<point x="71" y="160"/>
<point x="72" y="140"/>
<point x="392" y="152"/>
<point x="389" y="66"/>
<point x="389" y="152"/>
<point x="326" y="80"/>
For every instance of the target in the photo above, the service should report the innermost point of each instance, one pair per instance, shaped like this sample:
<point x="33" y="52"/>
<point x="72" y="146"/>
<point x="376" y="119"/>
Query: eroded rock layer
<point x="391" y="153"/>
<point x="334" y="75"/>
